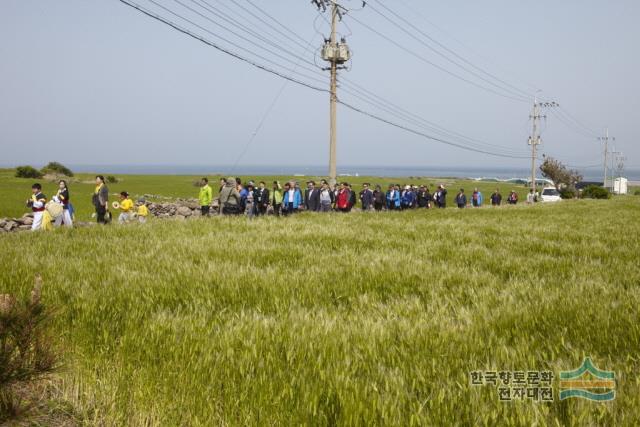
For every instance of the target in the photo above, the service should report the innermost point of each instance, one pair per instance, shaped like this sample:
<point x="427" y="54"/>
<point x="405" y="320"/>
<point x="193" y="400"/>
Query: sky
<point x="97" y="82"/>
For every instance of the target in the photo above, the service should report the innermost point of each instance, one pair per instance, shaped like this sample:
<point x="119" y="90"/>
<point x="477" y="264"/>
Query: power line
<point x="443" y="141"/>
<point x="433" y="64"/>
<point x="220" y="48"/>
<point x="503" y="86"/>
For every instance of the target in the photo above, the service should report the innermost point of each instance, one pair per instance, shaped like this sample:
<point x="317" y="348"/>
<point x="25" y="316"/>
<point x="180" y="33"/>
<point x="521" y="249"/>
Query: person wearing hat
<point x="205" y="196"/>
<point x="407" y="198"/>
<point x="312" y="197"/>
<point x="461" y="199"/>
<point x="230" y="198"/>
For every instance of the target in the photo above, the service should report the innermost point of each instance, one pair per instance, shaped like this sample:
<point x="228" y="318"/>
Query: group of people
<point x="59" y="211"/>
<point x="236" y="198"/>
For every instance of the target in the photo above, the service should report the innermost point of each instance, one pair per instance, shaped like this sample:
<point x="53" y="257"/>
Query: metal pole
<point x="333" y="99"/>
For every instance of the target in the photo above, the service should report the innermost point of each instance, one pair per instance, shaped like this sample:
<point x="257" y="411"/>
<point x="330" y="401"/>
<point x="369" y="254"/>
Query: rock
<point x="27" y="220"/>
<point x="24" y="227"/>
<point x="180" y="217"/>
<point x="3" y="222"/>
<point x="19" y="221"/>
<point x="196" y="212"/>
<point x="183" y="211"/>
<point x="10" y="225"/>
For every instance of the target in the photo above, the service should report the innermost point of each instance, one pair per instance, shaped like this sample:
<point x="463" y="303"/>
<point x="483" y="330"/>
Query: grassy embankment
<point x="353" y="319"/>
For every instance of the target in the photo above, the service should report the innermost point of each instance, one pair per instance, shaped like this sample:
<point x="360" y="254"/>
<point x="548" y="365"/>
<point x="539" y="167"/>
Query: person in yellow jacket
<point x="205" y="197"/>
<point x="126" y="208"/>
<point x="143" y="211"/>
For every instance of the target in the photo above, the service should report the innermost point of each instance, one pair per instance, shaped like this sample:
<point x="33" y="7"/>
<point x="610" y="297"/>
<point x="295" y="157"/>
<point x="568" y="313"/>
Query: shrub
<point x="57" y="168"/>
<point x="637" y="192"/>
<point x="568" y="193"/>
<point x="28" y="172"/>
<point x="26" y="353"/>
<point x="596" y="192"/>
<point x="111" y="179"/>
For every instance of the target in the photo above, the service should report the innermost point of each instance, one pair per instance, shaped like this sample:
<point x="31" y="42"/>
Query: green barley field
<point x="349" y="320"/>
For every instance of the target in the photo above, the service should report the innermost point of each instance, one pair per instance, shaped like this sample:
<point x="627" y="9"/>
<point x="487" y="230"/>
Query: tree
<point x="28" y="172"/>
<point x="558" y="173"/>
<point x="58" y="168"/>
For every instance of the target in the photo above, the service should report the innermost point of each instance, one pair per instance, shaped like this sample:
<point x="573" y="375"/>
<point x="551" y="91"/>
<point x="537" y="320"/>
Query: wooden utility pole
<point x="333" y="101"/>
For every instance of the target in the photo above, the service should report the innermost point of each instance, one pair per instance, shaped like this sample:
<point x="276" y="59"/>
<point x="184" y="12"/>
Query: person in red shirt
<point x="344" y="197"/>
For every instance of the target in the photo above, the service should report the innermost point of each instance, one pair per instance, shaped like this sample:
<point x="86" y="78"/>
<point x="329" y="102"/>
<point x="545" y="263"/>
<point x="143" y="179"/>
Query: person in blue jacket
<point x="408" y="198"/>
<point x="393" y="198"/>
<point x="291" y="199"/>
<point x="476" y="198"/>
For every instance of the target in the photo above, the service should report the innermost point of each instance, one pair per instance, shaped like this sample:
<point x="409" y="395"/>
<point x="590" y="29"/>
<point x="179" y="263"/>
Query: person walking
<point x="343" y="200"/>
<point x="393" y="198"/>
<point x="513" y="198"/>
<point x="312" y="197"/>
<point x="261" y="198"/>
<point x="230" y="198"/>
<point x="63" y="197"/>
<point x="205" y="196"/>
<point x="292" y="199"/>
<point x="326" y="197"/>
<point x="366" y="197"/>
<point x="496" y="198"/>
<point x="37" y="204"/>
<point x="461" y="199"/>
<point x="100" y="200"/>
<point x="378" y="198"/>
<point x="276" y="198"/>
<point x="531" y="197"/>
<point x="442" y="197"/>
<point x="476" y="198"/>
<point x="249" y="204"/>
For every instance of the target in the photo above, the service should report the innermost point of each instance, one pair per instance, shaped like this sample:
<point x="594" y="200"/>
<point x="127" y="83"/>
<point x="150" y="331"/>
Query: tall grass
<point x="359" y="319"/>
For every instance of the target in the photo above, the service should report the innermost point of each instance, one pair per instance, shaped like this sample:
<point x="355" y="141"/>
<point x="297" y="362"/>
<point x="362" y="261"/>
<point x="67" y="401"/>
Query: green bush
<point x="596" y="192"/>
<point x="28" y="172"/>
<point x="637" y="192"/>
<point x="568" y="193"/>
<point x="57" y="168"/>
<point x="111" y="179"/>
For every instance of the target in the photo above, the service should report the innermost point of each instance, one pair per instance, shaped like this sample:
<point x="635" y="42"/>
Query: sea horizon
<point x="489" y="172"/>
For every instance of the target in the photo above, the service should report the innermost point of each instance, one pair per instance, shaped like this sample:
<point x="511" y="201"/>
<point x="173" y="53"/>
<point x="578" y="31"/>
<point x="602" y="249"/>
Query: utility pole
<point x="336" y="53"/>
<point x="333" y="101"/>
<point x="606" y="139"/>
<point x="534" y="139"/>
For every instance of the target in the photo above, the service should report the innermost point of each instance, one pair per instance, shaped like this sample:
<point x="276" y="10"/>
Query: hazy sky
<point x="96" y="82"/>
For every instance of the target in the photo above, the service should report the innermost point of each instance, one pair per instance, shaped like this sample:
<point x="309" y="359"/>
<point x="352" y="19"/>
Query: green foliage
<point x="57" y="168"/>
<point x="358" y="319"/>
<point x="596" y="192"/>
<point x="26" y="352"/>
<point x="637" y="192"/>
<point x="28" y="172"/>
<point x="111" y="179"/>
<point x="558" y="173"/>
<point x="568" y="193"/>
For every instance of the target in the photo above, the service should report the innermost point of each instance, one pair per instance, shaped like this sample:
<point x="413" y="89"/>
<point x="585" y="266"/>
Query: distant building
<point x="620" y="185"/>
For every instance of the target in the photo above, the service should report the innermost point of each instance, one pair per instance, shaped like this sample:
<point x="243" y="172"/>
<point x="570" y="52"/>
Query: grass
<point x="358" y="319"/>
